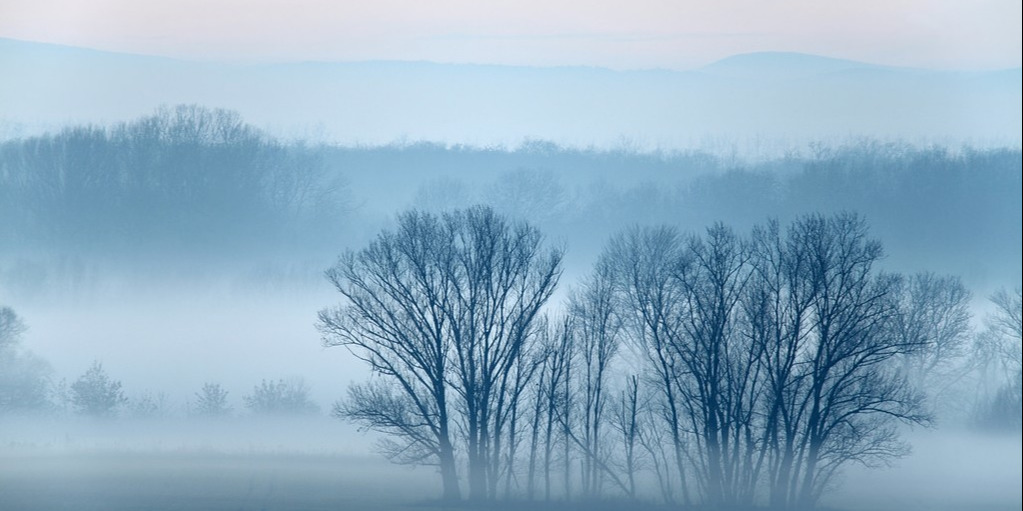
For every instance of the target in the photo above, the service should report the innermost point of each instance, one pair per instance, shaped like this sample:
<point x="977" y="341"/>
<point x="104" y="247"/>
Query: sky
<point x="634" y="34"/>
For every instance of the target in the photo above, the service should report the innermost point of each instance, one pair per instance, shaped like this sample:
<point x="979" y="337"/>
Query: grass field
<point x="85" y="473"/>
<point x="111" y="481"/>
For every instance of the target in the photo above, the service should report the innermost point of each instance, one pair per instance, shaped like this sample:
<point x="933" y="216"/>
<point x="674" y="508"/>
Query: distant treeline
<point x="183" y="177"/>
<point x="948" y="209"/>
<point x="189" y="177"/>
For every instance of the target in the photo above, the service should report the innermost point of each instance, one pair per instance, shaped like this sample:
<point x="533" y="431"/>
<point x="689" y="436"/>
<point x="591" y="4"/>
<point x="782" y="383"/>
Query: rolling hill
<point x="774" y="99"/>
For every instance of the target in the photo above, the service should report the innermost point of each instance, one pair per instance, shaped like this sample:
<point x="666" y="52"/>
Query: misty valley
<point x="198" y="314"/>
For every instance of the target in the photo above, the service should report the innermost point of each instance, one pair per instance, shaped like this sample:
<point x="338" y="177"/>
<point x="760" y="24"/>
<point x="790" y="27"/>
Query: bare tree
<point x="211" y="401"/>
<point x="643" y="262"/>
<point x="501" y="277"/>
<point x="536" y="396"/>
<point x="517" y="397"/>
<point x="553" y="397"/>
<point x="658" y="445"/>
<point x="999" y="348"/>
<point x="1007" y="323"/>
<point x="598" y="331"/>
<point x="626" y="420"/>
<point x="398" y="294"/>
<point x="776" y="316"/>
<point x="149" y="405"/>
<point x="935" y="314"/>
<point x="533" y="194"/>
<point x="443" y="308"/>
<point x="849" y="391"/>
<point x="720" y="381"/>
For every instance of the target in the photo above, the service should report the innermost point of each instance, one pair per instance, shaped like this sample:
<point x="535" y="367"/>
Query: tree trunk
<point x="448" y="473"/>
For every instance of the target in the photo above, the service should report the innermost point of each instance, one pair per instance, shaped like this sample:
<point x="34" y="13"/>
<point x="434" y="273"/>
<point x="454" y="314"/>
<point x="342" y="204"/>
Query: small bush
<point x="281" y="397"/>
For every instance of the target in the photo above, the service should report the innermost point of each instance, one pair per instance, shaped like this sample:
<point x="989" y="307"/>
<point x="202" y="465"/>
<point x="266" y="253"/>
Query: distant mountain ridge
<point x="760" y="60"/>
<point x="784" y="63"/>
<point x="786" y="97"/>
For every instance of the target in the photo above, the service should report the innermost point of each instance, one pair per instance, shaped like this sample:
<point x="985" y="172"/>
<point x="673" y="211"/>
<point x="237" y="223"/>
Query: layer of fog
<point x="165" y="323"/>
<point x="166" y="320"/>
<point x="776" y="100"/>
<point x="948" y="470"/>
<point x="280" y="463"/>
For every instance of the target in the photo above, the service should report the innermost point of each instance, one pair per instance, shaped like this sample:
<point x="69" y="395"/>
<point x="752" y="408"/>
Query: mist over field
<point x="778" y="281"/>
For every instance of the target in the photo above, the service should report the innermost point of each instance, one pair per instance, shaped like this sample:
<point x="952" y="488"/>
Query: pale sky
<point x="633" y="34"/>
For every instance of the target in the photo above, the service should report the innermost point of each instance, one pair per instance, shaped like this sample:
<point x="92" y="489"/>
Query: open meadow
<point x="292" y="465"/>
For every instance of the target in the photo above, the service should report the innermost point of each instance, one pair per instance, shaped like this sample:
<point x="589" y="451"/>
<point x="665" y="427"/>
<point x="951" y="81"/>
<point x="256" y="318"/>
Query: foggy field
<point x="104" y="480"/>
<point x="436" y="256"/>
<point x="947" y="471"/>
<point x="311" y="463"/>
<point x="171" y="325"/>
<point x="292" y="465"/>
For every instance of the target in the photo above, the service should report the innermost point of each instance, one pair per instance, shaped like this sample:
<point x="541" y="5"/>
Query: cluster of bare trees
<point x="998" y="354"/>
<point x="717" y="369"/>
<point x="774" y="358"/>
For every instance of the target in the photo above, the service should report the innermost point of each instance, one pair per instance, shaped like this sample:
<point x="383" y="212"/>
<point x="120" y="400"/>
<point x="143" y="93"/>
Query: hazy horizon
<point x="635" y="35"/>
<point x="606" y="255"/>
<point x="697" y="66"/>
<point x="753" y="105"/>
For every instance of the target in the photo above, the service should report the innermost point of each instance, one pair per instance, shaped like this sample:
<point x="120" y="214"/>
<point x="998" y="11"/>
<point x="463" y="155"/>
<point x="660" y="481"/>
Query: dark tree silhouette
<point x="644" y="261"/>
<point x="443" y="308"/>
<point x="836" y="390"/>
<point x="598" y="332"/>
<point x="763" y="364"/>
<point x="780" y="353"/>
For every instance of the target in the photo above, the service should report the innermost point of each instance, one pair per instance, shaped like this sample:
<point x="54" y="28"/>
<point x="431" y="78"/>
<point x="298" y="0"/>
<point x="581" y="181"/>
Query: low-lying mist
<point x="173" y="269"/>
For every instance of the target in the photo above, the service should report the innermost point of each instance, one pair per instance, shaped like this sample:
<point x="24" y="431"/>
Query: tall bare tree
<point x="626" y="420"/>
<point x="598" y="332"/>
<point x="775" y="314"/>
<point x="644" y="262"/>
<point x="553" y="398"/>
<point x="935" y="313"/>
<point x="722" y="378"/>
<point x="444" y="309"/>
<point x="502" y="276"/>
<point x="999" y="348"/>
<point x="850" y="393"/>
<point x="397" y="296"/>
